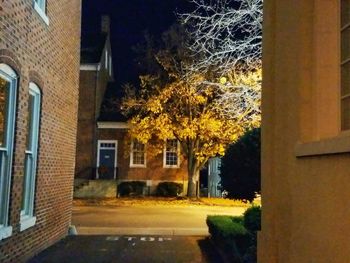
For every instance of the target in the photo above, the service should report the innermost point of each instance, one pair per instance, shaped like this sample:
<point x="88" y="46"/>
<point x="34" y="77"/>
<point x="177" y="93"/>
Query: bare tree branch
<point x="227" y="35"/>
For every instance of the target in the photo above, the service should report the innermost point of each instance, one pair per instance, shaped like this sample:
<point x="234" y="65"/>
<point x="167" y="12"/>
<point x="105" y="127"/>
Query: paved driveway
<point x="156" y="220"/>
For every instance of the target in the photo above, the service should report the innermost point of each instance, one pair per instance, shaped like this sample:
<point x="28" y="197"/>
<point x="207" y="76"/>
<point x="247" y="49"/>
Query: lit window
<point x="8" y="89"/>
<point x="40" y="7"/>
<point x="31" y="156"/>
<point x="345" y="64"/>
<point x="171" y="154"/>
<point x="138" y="155"/>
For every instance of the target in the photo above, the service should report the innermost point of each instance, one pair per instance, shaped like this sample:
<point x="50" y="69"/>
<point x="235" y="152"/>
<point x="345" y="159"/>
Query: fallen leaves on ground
<point x="155" y="201"/>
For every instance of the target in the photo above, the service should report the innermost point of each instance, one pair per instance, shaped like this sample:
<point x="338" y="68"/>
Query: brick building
<point x="102" y="149"/>
<point x="39" y="81"/>
<point x="96" y="74"/>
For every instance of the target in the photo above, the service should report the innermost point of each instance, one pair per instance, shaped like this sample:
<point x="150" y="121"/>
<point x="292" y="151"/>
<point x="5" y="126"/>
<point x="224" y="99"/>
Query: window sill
<point x="171" y="166"/>
<point x="41" y="13"/>
<point x="336" y="145"/>
<point x="5" y="232"/>
<point x="27" y="222"/>
<point x="137" y="166"/>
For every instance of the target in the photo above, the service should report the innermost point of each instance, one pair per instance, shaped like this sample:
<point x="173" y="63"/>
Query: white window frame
<point x="40" y="8"/>
<point x="6" y="151"/>
<point x="27" y="218"/>
<point x="165" y="165"/>
<point x="99" y="147"/>
<point x="132" y="165"/>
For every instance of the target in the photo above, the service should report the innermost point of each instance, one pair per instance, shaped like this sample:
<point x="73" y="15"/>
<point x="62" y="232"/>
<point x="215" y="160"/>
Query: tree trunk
<point x="193" y="177"/>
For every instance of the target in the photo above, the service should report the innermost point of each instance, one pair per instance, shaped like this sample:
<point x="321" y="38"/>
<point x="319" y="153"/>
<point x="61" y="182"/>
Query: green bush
<point x="169" y="189"/>
<point x="252" y="222"/>
<point x="237" y="236"/>
<point x="241" y="166"/>
<point x="252" y="218"/>
<point x="132" y="188"/>
<point x="230" y="234"/>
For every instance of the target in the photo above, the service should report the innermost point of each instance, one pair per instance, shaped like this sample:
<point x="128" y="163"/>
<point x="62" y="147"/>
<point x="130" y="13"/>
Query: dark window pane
<point x="345" y="12"/>
<point x="4" y="86"/>
<point x="345" y="44"/>
<point x="345" y="114"/>
<point x="30" y="122"/>
<point x="345" y="79"/>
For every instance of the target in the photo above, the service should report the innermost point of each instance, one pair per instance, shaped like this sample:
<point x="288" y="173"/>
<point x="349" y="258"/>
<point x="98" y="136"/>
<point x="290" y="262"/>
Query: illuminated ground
<point x="147" y="220"/>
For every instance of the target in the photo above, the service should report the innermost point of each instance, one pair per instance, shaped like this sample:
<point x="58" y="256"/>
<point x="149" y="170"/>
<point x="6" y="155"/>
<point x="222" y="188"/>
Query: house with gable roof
<point x="104" y="158"/>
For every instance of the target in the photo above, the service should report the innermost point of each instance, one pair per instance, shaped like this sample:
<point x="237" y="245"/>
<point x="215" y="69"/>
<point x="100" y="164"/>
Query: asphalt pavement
<point x="138" y="234"/>
<point x="130" y="249"/>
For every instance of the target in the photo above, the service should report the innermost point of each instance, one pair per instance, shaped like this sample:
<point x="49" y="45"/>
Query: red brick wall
<point x="154" y="170"/>
<point x="92" y="87"/>
<point x="86" y="125"/>
<point x="49" y="56"/>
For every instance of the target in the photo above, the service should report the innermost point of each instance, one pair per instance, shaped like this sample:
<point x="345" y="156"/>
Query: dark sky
<point x="129" y="19"/>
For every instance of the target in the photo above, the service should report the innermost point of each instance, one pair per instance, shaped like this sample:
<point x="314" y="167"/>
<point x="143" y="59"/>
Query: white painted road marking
<point x="112" y="238"/>
<point x="161" y="239"/>
<point x="147" y="239"/>
<point x="143" y="239"/>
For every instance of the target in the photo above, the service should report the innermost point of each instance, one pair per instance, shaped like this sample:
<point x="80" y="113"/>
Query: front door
<point x="107" y="159"/>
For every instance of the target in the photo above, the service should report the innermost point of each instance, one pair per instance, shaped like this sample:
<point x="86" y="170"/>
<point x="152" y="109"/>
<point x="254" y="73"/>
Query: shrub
<point x="169" y="189"/>
<point x="230" y="234"/>
<point x="240" y="169"/>
<point x="252" y="222"/>
<point x="236" y="236"/>
<point x="252" y="218"/>
<point x="132" y="188"/>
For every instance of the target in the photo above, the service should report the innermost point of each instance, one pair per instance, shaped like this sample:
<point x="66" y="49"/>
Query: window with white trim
<point x="40" y="7"/>
<point x="171" y="154"/>
<point x="8" y="90"/>
<point x="31" y="155"/>
<point x="345" y="64"/>
<point x="138" y="154"/>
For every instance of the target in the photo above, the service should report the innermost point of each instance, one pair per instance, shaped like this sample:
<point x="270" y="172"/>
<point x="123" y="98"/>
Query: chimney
<point x="105" y="24"/>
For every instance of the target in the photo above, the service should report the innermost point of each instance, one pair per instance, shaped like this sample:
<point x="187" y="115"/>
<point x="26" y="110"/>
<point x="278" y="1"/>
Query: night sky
<point x="129" y="20"/>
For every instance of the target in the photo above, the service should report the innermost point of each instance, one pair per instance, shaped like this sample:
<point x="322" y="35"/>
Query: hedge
<point x="236" y="236"/>
<point x="229" y="234"/>
<point x="169" y="189"/>
<point x="252" y="218"/>
<point x="132" y="188"/>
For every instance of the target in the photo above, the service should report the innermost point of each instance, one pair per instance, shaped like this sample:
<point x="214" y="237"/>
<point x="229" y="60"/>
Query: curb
<point x="82" y="230"/>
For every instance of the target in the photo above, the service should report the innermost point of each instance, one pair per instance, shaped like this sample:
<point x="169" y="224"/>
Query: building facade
<point x="96" y="73"/>
<point x="305" y="132"/>
<point x="104" y="152"/>
<point x="39" y="81"/>
<point x="134" y="162"/>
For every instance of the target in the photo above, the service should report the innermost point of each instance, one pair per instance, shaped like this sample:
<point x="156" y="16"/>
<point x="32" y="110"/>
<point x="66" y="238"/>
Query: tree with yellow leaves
<point x="204" y="116"/>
